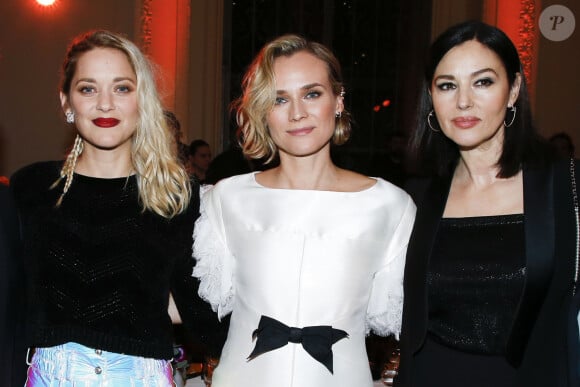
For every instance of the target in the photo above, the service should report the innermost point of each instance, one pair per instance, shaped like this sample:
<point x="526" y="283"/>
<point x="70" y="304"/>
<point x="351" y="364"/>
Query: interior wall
<point x="557" y="100"/>
<point x="33" y="41"/>
<point x="165" y="37"/>
<point x="205" y="86"/>
<point x="446" y="13"/>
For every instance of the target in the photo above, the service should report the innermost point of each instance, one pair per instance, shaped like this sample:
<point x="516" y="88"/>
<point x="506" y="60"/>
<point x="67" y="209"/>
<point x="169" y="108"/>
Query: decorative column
<point x="519" y="20"/>
<point x="165" y="38"/>
<point x="185" y="38"/>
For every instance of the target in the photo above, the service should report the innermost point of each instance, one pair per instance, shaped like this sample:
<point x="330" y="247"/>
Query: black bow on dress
<point x="316" y="340"/>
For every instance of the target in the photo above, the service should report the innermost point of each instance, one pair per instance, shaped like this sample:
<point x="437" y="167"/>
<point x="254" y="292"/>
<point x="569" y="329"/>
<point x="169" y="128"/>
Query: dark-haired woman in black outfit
<point x="491" y="262"/>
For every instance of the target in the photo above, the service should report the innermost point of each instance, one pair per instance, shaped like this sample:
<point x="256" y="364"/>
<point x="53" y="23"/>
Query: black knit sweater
<point x="100" y="269"/>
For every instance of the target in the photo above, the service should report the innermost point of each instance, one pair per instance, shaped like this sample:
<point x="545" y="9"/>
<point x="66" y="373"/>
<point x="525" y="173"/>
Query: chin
<point x="470" y="145"/>
<point x="109" y="145"/>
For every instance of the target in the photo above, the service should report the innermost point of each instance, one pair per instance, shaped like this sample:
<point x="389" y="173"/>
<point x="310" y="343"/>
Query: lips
<point x="300" y="131"/>
<point x="106" y="122"/>
<point x="465" y="122"/>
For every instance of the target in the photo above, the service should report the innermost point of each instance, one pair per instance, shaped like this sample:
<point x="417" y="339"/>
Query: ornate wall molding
<point x="518" y="19"/>
<point x="527" y="33"/>
<point x="146" y="30"/>
<point x="184" y="39"/>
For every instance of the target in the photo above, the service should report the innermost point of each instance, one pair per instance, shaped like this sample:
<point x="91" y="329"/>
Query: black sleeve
<point x="12" y="296"/>
<point x="416" y="188"/>
<point x="202" y="327"/>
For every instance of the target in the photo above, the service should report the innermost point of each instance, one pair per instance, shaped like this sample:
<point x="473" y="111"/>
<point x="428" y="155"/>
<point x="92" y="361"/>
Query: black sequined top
<point x="475" y="281"/>
<point x="100" y="269"/>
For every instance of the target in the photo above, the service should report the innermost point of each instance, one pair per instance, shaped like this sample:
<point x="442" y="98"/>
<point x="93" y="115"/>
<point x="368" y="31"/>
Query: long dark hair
<point x="437" y="154"/>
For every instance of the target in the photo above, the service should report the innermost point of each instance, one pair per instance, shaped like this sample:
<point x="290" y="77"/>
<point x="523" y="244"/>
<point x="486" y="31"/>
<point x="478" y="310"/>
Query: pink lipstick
<point x="300" y="131"/>
<point x="106" y="122"/>
<point x="465" y="122"/>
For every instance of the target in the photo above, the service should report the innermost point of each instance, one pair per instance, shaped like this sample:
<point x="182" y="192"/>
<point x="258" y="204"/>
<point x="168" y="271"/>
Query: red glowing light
<point x="46" y="3"/>
<point x="386" y="102"/>
<point x="377" y="108"/>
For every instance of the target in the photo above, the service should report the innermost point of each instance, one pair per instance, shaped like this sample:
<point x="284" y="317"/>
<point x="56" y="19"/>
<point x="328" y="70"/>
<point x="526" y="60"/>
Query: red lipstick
<point x="106" y="122"/>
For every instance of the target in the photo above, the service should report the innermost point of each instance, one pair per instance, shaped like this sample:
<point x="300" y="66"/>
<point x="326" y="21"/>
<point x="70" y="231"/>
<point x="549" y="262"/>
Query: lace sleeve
<point x="215" y="263"/>
<point x="385" y="309"/>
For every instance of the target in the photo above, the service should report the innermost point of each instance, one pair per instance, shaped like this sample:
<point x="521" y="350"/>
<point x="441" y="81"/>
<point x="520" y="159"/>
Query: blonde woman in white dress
<point x="307" y="257"/>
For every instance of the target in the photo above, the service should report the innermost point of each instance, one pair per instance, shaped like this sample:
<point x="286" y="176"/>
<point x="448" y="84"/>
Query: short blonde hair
<point x="164" y="185"/>
<point x="259" y="95"/>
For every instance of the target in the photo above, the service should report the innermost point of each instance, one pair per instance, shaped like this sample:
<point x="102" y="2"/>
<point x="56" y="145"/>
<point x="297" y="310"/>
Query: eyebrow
<point x="474" y="74"/>
<point x="305" y="87"/>
<point x="115" y="80"/>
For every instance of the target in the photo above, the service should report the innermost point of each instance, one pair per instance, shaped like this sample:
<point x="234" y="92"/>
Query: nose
<point x="297" y="111"/>
<point x="464" y="99"/>
<point x="105" y="102"/>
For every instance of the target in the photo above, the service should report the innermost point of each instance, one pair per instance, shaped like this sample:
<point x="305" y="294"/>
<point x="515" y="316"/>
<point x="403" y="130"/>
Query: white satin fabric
<point x="304" y="258"/>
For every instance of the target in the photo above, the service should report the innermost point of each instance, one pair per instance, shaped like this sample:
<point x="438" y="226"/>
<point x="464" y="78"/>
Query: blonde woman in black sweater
<point x="108" y="232"/>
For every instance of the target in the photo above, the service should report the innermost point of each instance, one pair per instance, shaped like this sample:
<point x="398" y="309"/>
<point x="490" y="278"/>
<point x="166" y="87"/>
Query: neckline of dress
<point x="87" y="178"/>
<point x="254" y="173"/>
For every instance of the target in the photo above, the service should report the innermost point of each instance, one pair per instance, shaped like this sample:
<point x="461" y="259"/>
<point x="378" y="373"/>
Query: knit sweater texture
<point x="100" y="270"/>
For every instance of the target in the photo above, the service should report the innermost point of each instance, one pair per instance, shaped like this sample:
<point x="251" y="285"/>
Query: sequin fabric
<point x="475" y="281"/>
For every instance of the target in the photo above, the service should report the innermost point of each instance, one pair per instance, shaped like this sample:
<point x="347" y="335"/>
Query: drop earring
<point x="70" y="117"/>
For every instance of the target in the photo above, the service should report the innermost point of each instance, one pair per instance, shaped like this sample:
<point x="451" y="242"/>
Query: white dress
<point x="304" y="258"/>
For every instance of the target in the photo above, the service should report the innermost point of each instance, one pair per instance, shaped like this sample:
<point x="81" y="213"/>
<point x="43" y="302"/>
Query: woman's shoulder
<point x="358" y="183"/>
<point x="350" y="181"/>
<point x="381" y="196"/>
<point x="39" y="174"/>
<point x="6" y="201"/>
<point x="226" y="187"/>
<point x="561" y="169"/>
<point x="231" y="182"/>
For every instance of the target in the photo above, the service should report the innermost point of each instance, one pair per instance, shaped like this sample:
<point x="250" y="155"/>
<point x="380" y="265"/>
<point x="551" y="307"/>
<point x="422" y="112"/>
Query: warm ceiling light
<point x="46" y="3"/>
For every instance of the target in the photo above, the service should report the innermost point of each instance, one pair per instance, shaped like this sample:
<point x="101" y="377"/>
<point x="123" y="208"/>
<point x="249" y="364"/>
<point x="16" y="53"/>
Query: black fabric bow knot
<point x="316" y="340"/>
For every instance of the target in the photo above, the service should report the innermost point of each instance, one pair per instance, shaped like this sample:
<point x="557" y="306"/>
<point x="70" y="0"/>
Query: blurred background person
<point x="199" y="159"/>
<point x="228" y="163"/>
<point x="563" y="145"/>
<point x="175" y="127"/>
<point x="390" y="162"/>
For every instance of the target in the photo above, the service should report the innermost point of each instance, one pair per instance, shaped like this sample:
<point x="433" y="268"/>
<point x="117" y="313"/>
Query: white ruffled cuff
<point x="385" y="309"/>
<point x="215" y="263"/>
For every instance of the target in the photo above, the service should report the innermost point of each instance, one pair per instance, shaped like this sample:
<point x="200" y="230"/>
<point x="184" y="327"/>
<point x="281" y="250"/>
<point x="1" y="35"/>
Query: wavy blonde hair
<point x="163" y="184"/>
<point x="259" y="95"/>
